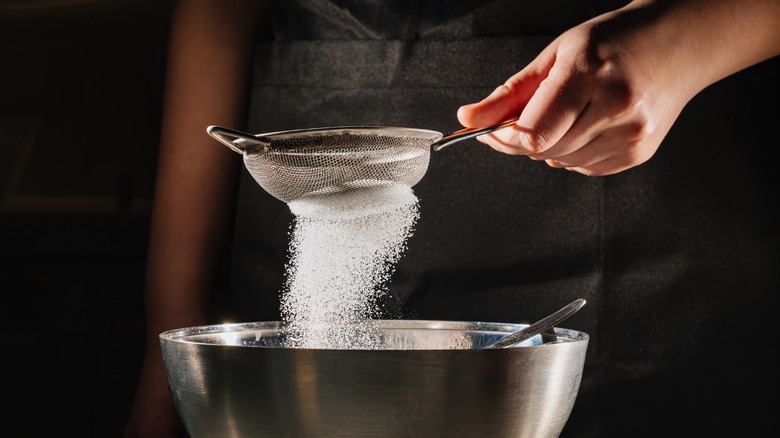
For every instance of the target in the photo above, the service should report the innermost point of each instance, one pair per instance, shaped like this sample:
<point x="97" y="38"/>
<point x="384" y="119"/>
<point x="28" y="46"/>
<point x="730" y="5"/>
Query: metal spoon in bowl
<point x="540" y="326"/>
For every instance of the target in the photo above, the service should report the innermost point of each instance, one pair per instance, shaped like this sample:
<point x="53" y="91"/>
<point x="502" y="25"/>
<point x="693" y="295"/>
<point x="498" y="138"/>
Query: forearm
<point x="206" y="83"/>
<point x="710" y="38"/>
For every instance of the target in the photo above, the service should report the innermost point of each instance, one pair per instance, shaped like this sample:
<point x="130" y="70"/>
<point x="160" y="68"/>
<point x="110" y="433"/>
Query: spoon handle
<point x="467" y="133"/>
<point x="539" y="326"/>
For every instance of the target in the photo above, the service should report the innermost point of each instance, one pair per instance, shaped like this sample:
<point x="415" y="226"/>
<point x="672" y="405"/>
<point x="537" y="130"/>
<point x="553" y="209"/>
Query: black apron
<point x="677" y="258"/>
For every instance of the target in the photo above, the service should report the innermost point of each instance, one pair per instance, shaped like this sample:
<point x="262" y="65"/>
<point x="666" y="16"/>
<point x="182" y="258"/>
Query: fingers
<point x="597" y="143"/>
<point x="612" y="151"/>
<point x="596" y="120"/>
<point x="550" y="113"/>
<point x="489" y="111"/>
<point x="509" y="99"/>
<point x="579" y="110"/>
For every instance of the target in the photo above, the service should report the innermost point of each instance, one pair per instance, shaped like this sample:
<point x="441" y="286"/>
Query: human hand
<point x="598" y="100"/>
<point x="153" y="414"/>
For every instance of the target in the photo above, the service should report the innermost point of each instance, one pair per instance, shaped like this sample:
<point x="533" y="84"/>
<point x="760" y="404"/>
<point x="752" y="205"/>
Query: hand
<point x="153" y="413"/>
<point x="602" y="96"/>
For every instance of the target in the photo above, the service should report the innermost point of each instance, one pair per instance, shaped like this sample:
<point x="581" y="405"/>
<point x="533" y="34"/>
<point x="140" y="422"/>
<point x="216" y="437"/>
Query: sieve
<point x="319" y="162"/>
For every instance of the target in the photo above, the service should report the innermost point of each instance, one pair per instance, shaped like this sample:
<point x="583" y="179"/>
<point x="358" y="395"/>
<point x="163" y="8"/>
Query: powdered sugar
<point x="343" y="251"/>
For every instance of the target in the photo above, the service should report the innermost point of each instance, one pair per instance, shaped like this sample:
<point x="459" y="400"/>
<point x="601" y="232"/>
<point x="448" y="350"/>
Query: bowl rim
<point x="187" y="335"/>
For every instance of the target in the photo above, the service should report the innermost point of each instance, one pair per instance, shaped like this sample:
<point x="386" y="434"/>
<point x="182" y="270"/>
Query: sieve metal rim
<point x="280" y="141"/>
<point x="245" y="143"/>
<point x="386" y="131"/>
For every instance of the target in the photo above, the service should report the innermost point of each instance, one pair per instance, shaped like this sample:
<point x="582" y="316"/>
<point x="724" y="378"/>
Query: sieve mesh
<point x="324" y="161"/>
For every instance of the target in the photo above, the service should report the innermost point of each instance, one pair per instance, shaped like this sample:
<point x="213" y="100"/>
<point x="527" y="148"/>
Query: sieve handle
<point x="467" y="133"/>
<point x="241" y="142"/>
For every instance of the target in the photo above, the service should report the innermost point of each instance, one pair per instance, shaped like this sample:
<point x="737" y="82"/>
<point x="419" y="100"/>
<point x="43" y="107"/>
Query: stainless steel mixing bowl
<point x="424" y="379"/>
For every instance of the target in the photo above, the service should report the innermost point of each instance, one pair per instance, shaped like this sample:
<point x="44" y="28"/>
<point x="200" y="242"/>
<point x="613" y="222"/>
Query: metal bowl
<point x="423" y="379"/>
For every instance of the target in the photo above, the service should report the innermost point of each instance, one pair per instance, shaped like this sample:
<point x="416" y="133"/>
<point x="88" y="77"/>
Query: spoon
<point x="534" y="329"/>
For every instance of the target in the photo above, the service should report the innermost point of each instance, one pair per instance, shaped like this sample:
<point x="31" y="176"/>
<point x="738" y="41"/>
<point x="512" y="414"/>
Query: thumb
<point x="509" y="99"/>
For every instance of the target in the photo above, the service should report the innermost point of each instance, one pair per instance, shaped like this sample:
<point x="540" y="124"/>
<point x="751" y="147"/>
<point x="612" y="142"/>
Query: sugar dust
<point x="342" y="253"/>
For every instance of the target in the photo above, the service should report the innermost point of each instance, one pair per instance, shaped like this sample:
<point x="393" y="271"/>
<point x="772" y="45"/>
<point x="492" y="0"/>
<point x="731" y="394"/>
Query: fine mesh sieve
<point x="323" y="161"/>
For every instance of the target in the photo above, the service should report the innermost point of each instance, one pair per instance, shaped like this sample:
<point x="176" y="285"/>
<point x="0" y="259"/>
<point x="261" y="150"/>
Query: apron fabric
<point x="676" y="258"/>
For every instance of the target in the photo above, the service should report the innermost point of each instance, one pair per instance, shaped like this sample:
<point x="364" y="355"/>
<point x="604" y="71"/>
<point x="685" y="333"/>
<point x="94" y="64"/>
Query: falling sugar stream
<point x="343" y="250"/>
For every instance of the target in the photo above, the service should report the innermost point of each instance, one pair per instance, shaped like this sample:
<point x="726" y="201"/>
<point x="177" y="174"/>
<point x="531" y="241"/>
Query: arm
<point x="601" y="97"/>
<point x="206" y="83"/>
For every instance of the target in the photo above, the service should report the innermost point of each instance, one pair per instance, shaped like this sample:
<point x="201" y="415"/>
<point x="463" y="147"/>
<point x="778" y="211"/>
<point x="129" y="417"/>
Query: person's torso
<point x="657" y="250"/>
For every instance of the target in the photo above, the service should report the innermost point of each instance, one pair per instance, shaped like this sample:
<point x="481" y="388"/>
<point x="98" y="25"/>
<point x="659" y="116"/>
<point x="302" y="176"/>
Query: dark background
<point x="80" y="101"/>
